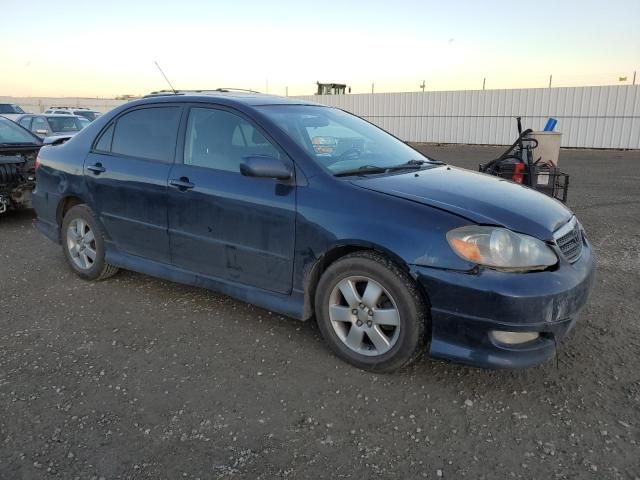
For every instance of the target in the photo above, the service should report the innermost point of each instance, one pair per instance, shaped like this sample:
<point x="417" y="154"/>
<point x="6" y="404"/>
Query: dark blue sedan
<point x="310" y="211"/>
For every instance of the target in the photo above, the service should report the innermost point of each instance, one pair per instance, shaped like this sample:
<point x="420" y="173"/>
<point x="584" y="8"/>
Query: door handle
<point x="97" y="168"/>
<point x="182" y="183"/>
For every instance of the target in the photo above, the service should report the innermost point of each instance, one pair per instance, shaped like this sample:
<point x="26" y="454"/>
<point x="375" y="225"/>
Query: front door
<point x="126" y="174"/>
<point x="221" y="223"/>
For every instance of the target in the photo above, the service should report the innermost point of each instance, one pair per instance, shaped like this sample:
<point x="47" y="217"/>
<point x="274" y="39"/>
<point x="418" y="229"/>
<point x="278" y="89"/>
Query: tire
<point x="85" y="251"/>
<point x="391" y="340"/>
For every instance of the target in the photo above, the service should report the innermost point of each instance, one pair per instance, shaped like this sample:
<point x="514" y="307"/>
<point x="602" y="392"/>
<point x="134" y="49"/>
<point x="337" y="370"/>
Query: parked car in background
<point x="307" y="210"/>
<point x="10" y="110"/>
<point x="87" y="113"/>
<point x="18" y="150"/>
<point x="53" y="125"/>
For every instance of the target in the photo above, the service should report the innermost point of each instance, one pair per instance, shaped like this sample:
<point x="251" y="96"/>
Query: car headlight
<point x="500" y="248"/>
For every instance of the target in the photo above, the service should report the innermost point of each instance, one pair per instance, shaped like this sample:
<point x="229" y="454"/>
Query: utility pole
<point x="484" y="81"/>
<point x="286" y="91"/>
<point x="634" y="78"/>
<point x="372" y="85"/>
<point x="422" y="86"/>
<point x="550" y="79"/>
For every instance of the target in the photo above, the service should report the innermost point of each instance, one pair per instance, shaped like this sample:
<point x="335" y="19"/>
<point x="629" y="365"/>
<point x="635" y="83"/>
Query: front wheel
<point x="83" y="244"/>
<point x="371" y="312"/>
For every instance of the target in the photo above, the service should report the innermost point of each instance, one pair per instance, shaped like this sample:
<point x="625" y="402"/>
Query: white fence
<point x="591" y="117"/>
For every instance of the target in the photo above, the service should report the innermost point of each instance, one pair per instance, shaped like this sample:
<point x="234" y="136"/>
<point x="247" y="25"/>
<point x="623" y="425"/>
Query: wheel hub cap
<point x="81" y="244"/>
<point x="364" y="315"/>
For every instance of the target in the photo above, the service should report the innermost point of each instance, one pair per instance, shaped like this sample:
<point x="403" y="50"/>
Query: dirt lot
<point x="140" y="378"/>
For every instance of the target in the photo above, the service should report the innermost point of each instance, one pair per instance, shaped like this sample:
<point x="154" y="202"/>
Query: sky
<point x="107" y="48"/>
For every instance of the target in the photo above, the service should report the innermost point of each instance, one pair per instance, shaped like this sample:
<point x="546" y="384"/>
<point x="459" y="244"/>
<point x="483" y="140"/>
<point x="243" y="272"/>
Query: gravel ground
<point x="140" y="378"/>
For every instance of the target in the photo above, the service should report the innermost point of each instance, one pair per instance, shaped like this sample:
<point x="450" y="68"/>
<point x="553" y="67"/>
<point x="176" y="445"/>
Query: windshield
<point x="64" y="124"/>
<point x="11" y="133"/>
<point x="9" y="108"/>
<point x="339" y="141"/>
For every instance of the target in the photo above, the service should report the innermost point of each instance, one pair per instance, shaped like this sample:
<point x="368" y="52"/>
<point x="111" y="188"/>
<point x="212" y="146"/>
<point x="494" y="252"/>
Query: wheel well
<point x="64" y="206"/>
<point x="318" y="268"/>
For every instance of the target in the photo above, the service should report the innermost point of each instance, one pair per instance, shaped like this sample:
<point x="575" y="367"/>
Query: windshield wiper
<point x="372" y="169"/>
<point x="412" y="163"/>
<point x="365" y="169"/>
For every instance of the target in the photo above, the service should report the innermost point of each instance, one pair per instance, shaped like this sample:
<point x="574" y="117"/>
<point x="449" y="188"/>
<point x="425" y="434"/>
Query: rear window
<point x="148" y="133"/>
<point x="9" y="108"/>
<point x="88" y="114"/>
<point x="64" y="124"/>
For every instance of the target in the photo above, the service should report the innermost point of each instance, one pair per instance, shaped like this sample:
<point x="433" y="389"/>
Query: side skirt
<point x="289" y="305"/>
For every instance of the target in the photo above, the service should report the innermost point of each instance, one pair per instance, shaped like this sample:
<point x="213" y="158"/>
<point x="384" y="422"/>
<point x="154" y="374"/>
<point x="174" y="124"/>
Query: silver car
<point x="46" y="126"/>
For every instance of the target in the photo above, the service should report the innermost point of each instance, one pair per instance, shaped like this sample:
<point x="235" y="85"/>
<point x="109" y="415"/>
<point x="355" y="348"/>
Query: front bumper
<point x="465" y="307"/>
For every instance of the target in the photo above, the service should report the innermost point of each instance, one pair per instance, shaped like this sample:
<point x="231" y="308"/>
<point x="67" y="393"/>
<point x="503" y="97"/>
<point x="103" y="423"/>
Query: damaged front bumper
<point x="467" y="307"/>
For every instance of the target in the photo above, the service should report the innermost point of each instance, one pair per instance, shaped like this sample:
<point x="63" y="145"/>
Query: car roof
<point x="252" y="99"/>
<point x="56" y="115"/>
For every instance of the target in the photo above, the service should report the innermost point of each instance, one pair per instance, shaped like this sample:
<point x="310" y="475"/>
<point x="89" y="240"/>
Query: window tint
<point x="220" y="140"/>
<point x="64" y="124"/>
<point x="104" y="144"/>
<point x="147" y="133"/>
<point x="39" y="123"/>
<point x="12" y="133"/>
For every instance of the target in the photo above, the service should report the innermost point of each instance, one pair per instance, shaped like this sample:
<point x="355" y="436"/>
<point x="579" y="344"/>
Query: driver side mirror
<point x="265" y="166"/>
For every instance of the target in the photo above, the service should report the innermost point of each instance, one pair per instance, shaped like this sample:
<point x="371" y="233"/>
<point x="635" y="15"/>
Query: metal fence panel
<point x="588" y="117"/>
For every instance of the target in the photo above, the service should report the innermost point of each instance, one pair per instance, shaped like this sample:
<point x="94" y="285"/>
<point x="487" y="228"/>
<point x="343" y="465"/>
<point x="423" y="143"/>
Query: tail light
<point x="38" y="163"/>
<point x="518" y="172"/>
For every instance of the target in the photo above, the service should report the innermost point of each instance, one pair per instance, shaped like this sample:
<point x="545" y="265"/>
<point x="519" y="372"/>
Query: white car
<point x="11" y="111"/>
<point x="84" y="112"/>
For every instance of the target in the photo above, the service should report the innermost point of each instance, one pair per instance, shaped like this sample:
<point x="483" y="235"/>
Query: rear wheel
<point x="83" y="244"/>
<point x="371" y="312"/>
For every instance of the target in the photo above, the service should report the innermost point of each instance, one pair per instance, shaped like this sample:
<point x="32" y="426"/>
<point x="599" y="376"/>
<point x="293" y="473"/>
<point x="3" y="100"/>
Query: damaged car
<point x="18" y="151"/>
<point x="312" y="212"/>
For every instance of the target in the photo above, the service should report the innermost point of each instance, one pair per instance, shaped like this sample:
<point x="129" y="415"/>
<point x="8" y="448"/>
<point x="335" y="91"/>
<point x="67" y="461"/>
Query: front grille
<point x="569" y="240"/>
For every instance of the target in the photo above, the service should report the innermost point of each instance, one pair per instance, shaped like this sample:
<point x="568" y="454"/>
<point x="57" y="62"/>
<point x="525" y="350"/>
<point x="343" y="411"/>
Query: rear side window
<point x="148" y="133"/>
<point x="104" y="143"/>
<point x="26" y="122"/>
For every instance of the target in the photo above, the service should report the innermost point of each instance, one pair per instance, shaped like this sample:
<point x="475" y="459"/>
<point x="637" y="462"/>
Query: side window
<point x="104" y="143"/>
<point x="147" y="133"/>
<point x="26" y="122"/>
<point x="220" y="140"/>
<point x="39" y="123"/>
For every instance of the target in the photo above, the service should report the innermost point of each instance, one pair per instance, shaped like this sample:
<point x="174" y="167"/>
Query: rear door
<point x="221" y="223"/>
<point x="126" y="174"/>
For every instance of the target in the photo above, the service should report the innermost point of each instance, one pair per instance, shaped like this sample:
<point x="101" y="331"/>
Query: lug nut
<point x="362" y="305"/>
<point x="354" y="311"/>
<point x="371" y="313"/>
<point x="369" y="323"/>
<point x="359" y="323"/>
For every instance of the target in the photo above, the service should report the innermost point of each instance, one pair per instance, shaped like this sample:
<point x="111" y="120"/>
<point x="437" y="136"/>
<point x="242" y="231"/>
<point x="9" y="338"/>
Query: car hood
<point x="480" y="198"/>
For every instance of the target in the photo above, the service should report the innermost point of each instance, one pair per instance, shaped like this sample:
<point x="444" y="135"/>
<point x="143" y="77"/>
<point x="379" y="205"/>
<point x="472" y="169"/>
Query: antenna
<point x="165" y="77"/>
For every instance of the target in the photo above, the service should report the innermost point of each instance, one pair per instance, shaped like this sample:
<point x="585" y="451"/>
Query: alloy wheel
<point x="81" y="244"/>
<point x="364" y="315"/>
